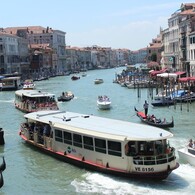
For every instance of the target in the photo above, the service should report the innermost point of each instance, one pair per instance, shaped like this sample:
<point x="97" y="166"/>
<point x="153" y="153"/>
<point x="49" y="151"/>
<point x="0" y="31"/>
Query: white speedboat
<point x="187" y="154"/>
<point x="103" y="102"/>
<point x="28" y="84"/>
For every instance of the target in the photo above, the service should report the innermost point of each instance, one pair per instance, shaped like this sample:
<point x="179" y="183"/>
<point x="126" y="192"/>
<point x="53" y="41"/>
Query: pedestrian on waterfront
<point x="146" y="107"/>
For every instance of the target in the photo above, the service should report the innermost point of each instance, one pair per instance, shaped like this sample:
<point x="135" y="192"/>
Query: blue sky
<point x="130" y="24"/>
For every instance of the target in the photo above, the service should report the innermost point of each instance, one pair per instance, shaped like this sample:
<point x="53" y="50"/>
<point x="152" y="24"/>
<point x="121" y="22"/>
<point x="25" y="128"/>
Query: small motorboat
<point x="187" y="154"/>
<point x="28" y="84"/>
<point x="75" y="77"/>
<point x="152" y="120"/>
<point x="98" y="81"/>
<point x="162" y="101"/>
<point x="66" y="96"/>
<point x="103" y="102"/>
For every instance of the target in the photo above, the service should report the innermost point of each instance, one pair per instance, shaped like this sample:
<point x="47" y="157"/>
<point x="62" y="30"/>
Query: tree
<point x="154" y="57"/>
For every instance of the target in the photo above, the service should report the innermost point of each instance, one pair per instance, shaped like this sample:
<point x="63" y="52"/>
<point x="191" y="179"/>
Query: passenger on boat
<point x="193" y="146"/>
<point x="190" y="143"/>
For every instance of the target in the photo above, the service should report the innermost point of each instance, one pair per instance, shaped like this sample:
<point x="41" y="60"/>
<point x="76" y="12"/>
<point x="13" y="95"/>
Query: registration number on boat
<point x="143" y="169"/>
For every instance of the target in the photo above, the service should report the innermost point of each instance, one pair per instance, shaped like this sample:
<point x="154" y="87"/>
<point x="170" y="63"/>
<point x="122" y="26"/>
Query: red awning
<point x="179" y="73"/>
<point x="185" y="79"/>
<point x="155" y="72"/>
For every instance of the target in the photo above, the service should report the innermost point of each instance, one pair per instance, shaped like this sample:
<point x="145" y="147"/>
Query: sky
<point x="130" y="24"/>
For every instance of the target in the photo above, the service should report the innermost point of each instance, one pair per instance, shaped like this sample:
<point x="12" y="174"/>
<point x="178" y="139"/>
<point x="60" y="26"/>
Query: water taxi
<point x="107" y="145"/>
<point x="34" y="100"/>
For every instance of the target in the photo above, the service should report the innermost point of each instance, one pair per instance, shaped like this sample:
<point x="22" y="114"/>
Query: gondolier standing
<point x="146" y="107"/>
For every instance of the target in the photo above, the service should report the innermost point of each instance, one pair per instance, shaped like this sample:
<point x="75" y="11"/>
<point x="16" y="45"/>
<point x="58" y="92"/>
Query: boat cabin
<point x="10" y="83"/>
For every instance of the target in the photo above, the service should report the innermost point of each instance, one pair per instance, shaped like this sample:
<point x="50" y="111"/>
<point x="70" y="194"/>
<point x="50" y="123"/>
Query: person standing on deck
<point x="146" y="107"/>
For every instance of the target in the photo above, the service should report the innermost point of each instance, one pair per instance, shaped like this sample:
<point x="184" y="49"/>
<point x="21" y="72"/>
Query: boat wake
<point x="7" y="101"/>
<point x="180" y="181"/>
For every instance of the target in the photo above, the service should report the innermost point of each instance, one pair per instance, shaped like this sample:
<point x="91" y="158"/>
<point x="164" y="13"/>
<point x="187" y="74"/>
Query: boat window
<point x="58" y="135"/>
<point x="88" y="142"/>
<point x="130" y="148"/>
<point x="100" y="145"/>
<point x="77" y="140"/>
<point x="67" y="138"/>
<point x="114" y="148"/>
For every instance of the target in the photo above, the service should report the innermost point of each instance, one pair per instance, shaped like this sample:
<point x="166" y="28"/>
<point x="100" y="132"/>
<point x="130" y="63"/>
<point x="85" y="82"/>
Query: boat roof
<point x="11" y="78"/>
<point x="33" y="93"/>
<point x="99" y="126"/>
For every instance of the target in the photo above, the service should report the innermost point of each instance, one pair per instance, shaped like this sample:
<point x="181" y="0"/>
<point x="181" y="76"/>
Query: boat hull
<point x="186" y="156"/>
<point x="82" y="163"/>
<point x="104" y="105"/>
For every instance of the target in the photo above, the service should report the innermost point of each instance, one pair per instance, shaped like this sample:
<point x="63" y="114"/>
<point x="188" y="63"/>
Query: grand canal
<point x="31" y="172"/>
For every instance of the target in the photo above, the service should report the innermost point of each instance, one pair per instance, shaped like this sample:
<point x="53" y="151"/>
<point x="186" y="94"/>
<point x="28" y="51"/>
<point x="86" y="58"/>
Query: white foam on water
<point x="179" y="181"/>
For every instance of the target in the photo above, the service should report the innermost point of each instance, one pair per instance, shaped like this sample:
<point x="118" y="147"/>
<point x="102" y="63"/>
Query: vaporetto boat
<point x="108" y="145"/>
<point x="34" y="100"/>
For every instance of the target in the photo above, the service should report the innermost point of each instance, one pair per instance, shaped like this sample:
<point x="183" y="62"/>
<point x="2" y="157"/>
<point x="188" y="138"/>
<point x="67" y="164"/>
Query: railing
<point x="155" y="160"/>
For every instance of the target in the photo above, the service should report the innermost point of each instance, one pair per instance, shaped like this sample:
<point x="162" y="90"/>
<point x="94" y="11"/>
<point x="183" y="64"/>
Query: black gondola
<point x="1" y="179"/>
<point x="154" y="121"/>
<point x="3" y="165"/>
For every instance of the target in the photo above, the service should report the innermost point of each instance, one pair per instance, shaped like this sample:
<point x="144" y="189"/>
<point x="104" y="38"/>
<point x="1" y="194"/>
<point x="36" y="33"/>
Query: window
<point x="100" y="145"/>
<point x="88" y="142"/>
<point x="114" y="148"/>
<point x="58" y="135"/>
<point x="77" y="140"/>
<point x="67" y="138"/>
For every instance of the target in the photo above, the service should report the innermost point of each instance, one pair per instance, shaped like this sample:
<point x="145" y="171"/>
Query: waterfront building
<point x="40" y="35"/>
<point x="78" y="58"/>
<point x="192" y="54"/>
<point x="138" y="56"/>
<point x="13" y="53"/>
<point x="176" y="39"/>
<point x="154" y="52"/>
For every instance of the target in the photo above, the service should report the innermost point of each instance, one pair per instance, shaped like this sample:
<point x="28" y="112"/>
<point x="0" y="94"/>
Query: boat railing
<point x="155" y="159"/>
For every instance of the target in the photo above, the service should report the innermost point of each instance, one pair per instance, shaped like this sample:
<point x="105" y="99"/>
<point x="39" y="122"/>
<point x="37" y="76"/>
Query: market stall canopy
<point x="155" y="72"/>
<point x="186" y="79"/>
<point x="180" y="73"/>
<point x="167" y="75"/>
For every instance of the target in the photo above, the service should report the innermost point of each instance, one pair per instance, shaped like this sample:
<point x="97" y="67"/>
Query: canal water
<point x="31" y="172"/>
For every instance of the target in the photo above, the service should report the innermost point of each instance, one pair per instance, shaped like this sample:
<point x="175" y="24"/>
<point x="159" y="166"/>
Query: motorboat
<point x="183" y="95"/>
<point x="75" y="77"/>
<point x="187" y="154"/>
<point x="28" y="84"/>
<point x="103" y="102"/>
<point x="162" y="101"/>
<point x="66" y="96"/>
<point x="98" y="81"/>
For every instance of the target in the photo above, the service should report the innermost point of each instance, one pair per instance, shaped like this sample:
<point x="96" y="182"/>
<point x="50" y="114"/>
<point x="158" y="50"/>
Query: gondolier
<point x="146" y="107"/>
